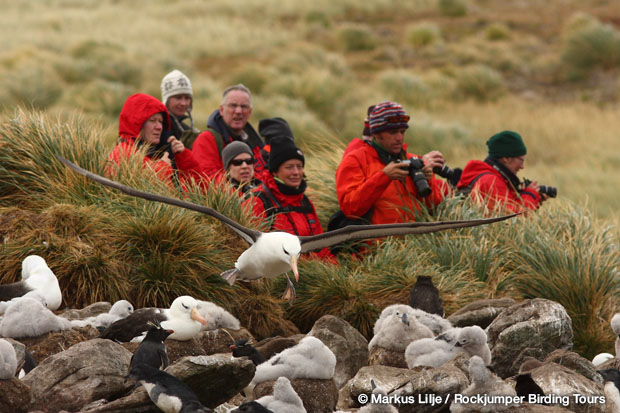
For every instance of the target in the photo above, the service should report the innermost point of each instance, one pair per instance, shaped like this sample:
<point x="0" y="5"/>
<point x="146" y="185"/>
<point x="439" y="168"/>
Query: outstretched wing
<point x="247" y="234"/>
<point x="358" y="232"/>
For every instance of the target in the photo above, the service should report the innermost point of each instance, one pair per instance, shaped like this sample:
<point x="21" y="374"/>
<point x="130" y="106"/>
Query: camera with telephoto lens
<point x="550" y="191"/>
<point x="451" y="175"/>
<point x="415" y="165"/>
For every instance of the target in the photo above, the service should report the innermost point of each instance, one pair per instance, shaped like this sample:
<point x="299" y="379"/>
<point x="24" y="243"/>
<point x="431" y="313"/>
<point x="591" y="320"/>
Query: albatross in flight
<point x="273" y="253"/>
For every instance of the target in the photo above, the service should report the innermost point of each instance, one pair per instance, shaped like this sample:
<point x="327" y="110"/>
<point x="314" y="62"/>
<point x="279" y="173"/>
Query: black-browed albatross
<point x="273" y="253"/>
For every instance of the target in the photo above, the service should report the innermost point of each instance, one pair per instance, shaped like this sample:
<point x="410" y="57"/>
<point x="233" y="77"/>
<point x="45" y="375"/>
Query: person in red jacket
<point x="142" y="121"/>
<point x="281" y="196"/>
<point x="227" y="124"/>
<point x="372" y="180"/>
<point x="495" y="181"/>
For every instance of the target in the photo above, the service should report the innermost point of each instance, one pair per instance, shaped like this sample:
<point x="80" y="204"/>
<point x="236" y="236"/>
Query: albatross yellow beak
<point x="195" y="315"/>
<point x="294" y="267"/>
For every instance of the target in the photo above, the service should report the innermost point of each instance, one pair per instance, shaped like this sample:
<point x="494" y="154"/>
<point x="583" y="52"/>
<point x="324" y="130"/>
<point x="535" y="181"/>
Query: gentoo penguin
<point x="284" y="398"/>
<point x="27" y="317"/>
<point x="168" y="393"/>
<point x="252" y="407"/>
<point x="37" y="278"/>
<point x="310" y="359"/>
<point x="241" y="348"/>
<point x="182" y="318"/>
<point x="8" y="360"/>
<point x="274" y="253"/>
<point x="120" y="309"/>
<point x="152" y="350"/>
<point x="425" y="296"/>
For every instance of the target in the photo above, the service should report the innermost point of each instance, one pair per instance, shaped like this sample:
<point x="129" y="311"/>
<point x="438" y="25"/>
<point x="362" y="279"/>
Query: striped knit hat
<point x="388" y="115"/>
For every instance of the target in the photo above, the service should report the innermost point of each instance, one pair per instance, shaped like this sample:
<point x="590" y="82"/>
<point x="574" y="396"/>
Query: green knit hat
<point x="506" y="144"/>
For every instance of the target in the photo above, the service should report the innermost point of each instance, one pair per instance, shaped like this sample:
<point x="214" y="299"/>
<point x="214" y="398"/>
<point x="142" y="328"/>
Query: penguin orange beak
<point x="196" y="316"/>
<point x="294" y="267"/>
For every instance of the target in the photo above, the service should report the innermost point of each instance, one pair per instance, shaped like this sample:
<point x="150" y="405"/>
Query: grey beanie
<point x="232" y="150"/>
<point x="175" y="83"/>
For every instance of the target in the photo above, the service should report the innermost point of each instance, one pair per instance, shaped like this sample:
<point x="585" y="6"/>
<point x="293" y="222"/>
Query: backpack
<point x="273" y="207"/>
<point x="464" y="192"/>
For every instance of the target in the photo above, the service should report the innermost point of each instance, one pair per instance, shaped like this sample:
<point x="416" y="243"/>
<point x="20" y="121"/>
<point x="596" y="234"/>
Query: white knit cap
<point x="175" y="83"/>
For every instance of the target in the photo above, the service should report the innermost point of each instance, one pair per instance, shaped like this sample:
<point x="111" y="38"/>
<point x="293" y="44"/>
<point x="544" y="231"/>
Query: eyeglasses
<point x="398" y="119"/>
<point x="239" y="162"/>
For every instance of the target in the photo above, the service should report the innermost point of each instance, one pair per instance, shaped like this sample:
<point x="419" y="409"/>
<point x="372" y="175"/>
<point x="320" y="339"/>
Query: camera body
<point x="550" y="191"/>
<point x="414" y="166"/>
<point x="451" y="175"/>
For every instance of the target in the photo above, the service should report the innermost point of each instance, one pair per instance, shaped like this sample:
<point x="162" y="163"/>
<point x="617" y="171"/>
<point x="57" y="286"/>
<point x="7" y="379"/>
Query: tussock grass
<point x="591" y="45"/>
<point x="422" y="34"/>
<point x="356" y="37"/>
<point x="452" y="8"/>
<point x="479" y="82"/>
<point x="406" y="88"/>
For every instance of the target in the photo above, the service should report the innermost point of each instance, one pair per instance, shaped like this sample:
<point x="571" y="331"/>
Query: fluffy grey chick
<point x="387" y="311"/>
<point x="437" y="324"/>
<point x="284" y="398"/>
<point x="120" y="309"/>
<point x="216" y="317"/>
<point x="425" y="296"/>
<point x="310" y="359"/>
<point x="8" y="360"/>
<point x="473" y="341"/>
<point x="429" y="352"/>
<point x="27" y="317"/>
<point x="484" y="382"/>
<point x="377" y="407"/>
<point x="612" y="398"/>
<point x="615" y="326"/>
<point x="398" y="330"/>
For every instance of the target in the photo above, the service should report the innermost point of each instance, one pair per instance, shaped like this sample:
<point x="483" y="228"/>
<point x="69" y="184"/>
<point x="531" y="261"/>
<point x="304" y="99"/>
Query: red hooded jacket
<point x="138" y="109"/>
<point x="361" y="185"/>
<point x="493" y="188"/>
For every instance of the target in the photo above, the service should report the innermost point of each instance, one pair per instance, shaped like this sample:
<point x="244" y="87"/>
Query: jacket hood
<point x="472" y="170"/>
<point x="136" y="110"/>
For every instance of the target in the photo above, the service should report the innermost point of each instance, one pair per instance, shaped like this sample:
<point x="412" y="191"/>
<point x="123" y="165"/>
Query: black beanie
<point x="270" y="128"/>
<point x="283" y="149"/>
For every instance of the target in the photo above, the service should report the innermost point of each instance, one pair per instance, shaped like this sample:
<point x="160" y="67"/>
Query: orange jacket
<point x="361" y="185"/>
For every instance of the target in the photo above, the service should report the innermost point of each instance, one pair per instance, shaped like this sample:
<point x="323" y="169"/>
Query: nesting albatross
<point x="274" y="253"/>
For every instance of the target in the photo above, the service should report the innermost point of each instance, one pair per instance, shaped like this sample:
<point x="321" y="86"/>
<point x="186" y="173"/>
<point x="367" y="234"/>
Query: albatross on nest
<point x="274" y="253"/>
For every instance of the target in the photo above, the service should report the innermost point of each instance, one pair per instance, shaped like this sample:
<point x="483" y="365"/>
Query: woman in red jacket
<point x="142" y="120"/>
<point x="281" y="197"/>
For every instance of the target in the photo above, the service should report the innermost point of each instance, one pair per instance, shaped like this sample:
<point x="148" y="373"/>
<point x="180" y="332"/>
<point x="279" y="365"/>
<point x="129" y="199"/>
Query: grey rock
<point x="347" y="344"/>
<point x="386" y="357"/>
<point x="480" y="313"/>
<point x="273" y="345"/>
<point x="531" y="328"/>
<point x="317" y="395"/>
<point x="83" y="373"/>
<point x="90" y="311"/>
<point x="20" y="352"/>
<point x="575" y="362"/>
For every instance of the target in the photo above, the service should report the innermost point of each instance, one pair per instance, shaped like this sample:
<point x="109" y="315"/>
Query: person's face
<point x="152" y="128"/>
<point x="514" y="164"/>
<point x="179" y="104"/>
<point x="291" y="172"/>
<point x="244" y="171"/>
<point x="236" y="110"/>
<point x="391" y="139"/>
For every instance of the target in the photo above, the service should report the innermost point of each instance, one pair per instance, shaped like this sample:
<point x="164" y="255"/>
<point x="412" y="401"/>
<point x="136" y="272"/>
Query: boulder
<point x="79" y="375"/>
<point x="92" y="310"/>
<point x="418" y="384"/>
<point x="20" y="352"/>
<point x="317" y="395"/>
<point x="575" y="362"/>
<point x="531" y="328"/>
<point x="15" y="396"/>
<point x="274" y="345"/>
<point x="386" y="357"/>
<point x="480" y="313"/>
<point x="43" y="346"/>
<point x="347" y="344"/>
<point x="204" y="344"/>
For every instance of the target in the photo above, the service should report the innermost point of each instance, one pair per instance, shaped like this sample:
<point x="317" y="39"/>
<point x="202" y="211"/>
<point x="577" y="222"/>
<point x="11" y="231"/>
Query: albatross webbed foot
<point x="289" y="293"/>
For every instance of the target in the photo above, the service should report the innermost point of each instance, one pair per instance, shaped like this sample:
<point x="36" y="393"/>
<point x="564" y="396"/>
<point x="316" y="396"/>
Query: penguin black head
<point x="157" y="334"/>
<point x="252" y="407"/>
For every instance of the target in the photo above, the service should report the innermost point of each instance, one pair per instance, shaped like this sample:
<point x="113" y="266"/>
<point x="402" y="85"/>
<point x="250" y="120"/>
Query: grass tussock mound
<point x="104" y="245"/>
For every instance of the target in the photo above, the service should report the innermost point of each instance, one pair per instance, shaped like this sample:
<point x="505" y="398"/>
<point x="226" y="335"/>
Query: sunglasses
<point x="239" y="162"/>
<point x="398" y="119"/>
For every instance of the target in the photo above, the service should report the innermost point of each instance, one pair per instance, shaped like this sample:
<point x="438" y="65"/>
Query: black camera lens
<point x="451" y="175"/>
<point x="417" y="175"/>
<point x="550" y="191"/>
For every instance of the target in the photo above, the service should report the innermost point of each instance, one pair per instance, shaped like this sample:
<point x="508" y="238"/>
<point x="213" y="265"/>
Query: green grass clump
<point x="101" y="97"/>
<point x="422" y="34"/>
<point x="497" y="31"/>
<point x="591" y="45"/>
<point x="405" y="88"/>
<point x="479" y="82"/>
<point x="452" y="8"/>
<point x="356" y="37"/>
<point x="31" y="84"/>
